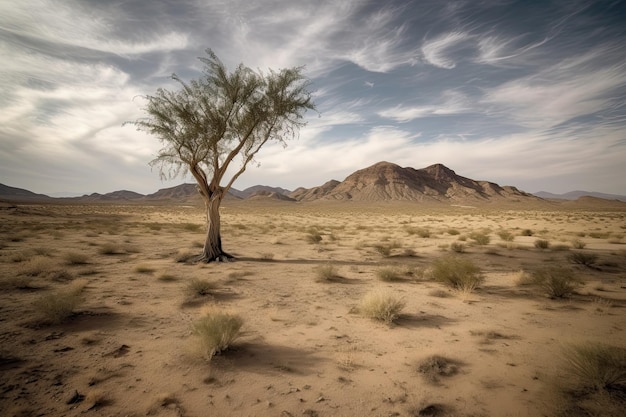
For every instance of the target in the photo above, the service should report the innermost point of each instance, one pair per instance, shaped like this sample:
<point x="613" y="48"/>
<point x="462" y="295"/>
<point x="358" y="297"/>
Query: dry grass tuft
<point x="326" y="273"/>
<point x="200" y="287"/>
<point x="593" y="380"/>
<point x="381" y="305"/>
<point x="76" y="258"/>
<point x="434" y="367"/>
<point x="56" y="307"/>
<point x="217" y="330"/>
<point x="457" y="272"/>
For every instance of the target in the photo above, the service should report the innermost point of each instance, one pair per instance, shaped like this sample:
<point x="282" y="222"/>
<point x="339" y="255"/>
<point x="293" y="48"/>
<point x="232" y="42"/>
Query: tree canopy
<point x="221" y="117"/>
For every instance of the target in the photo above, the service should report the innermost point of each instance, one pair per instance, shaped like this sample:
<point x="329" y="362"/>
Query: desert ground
<point x="127" y="347"/>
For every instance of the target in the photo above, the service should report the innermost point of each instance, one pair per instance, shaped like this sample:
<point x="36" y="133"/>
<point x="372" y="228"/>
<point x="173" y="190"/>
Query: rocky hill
<point x="385" y="181"/>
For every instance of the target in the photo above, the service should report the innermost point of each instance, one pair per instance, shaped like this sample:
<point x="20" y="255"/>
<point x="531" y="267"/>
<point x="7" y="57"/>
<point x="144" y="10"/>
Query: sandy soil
<point x="128" y="348"/>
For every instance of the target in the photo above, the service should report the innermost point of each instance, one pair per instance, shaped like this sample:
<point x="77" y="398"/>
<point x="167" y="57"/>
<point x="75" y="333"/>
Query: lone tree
<point x="223" y="117"/>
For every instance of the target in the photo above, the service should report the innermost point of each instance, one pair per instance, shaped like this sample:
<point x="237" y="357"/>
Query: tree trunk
<point x="213" y="251"/>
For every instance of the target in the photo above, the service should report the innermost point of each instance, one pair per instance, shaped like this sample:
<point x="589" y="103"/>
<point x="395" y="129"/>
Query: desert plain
<point x="127" y="346"/>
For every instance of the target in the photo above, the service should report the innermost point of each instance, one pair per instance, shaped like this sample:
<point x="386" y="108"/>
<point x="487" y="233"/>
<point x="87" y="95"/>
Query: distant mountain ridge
<point x="383" y="181"/>
<point x="575" y="195"/>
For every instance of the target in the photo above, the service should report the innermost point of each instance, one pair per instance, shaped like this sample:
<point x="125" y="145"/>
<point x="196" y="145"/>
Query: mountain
<point x="309" y="194"/>
<point x="115" y="196"/>
<point x="263" y="189"/>
<point x="269" y="195"/>
<point x="386" y="181"/>
<point x="12" y="193"/>
<point x="574" y="195"/>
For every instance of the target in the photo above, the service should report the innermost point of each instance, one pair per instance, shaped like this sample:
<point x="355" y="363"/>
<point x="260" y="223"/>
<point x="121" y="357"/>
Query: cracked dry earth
<point x="127" y="348"/>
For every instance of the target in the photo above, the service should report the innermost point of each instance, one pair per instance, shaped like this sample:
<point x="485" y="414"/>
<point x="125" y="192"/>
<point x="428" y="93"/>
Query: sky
<point x="524" y="93"/>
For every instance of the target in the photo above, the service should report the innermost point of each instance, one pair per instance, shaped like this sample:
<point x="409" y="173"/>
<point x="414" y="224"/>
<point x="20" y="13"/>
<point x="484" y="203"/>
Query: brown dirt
<point x="128" y="350"/>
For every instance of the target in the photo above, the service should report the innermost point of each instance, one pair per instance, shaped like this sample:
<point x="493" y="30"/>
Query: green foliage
<point x="457" y="272"/>
<point x="217" y="331"/>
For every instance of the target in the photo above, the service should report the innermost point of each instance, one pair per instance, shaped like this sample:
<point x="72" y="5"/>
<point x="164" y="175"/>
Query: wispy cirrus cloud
<point x="440" y="51"/>
<point x="451" y="102"/>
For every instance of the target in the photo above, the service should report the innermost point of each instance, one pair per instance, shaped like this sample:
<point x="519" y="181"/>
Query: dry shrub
<point x="506" y="235"/>
<point x="457" y="272"/>
<point x="313" y="236"/>
<point x="542" y="244"/>
<point x="76" y="258"/>
<point x="200" y="287"/>
<point x="480" y="238"/>
<point x="457" y="247"/>
<point x="388" y="274"/>
<point x="593" y="380"/>
<point x="185" y="256"/>
<point x="327" y="272"/>
<point x="36" y="266"/>
<point x="434" y="367"/>
<point x="56" y="307"/>
<point x="111" y="248"/>
<point x="578" y="244"/>
<point x="582" y="258"/>
<point x="144" y="269"/>
<point x="381" y="305"/>
<point x="217" y="330"/>
<point x="556" y="281"/>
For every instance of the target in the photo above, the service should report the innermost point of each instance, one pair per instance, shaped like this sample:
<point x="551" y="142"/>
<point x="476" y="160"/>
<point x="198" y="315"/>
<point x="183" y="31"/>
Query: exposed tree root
<point x="223" y="257"/>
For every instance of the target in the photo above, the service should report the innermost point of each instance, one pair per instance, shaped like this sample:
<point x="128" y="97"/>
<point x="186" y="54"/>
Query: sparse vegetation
<point x="506" y="235"/>
<point x="200" y="287"/>
<point x="556" y="281"/>
<point x="593" y="380"/>
<point x="217" y="331"/>
<point x="381" y="304"/>
<point x="56" y="307"/>
<point x="457" y="272"/>
<point x="542" y="244"/>
<point x="583" y="258"/>
<point x="388" y="274"/>
<point x="313" y="236"/>
<point x="578" y="244"/>
<point x="457" y="247"/>
<point x="76" y="258"/>
<point x="144" y="269"/>
<point x="480" y="238"/>
<point x="435" y="367"/>
<point x="326" y="272"/>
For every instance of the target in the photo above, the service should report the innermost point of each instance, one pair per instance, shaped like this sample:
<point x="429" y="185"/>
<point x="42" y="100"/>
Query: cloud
<point x="451" y="102"/>
<point x="559" y="93"/>
<point x="439" y="51"/>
